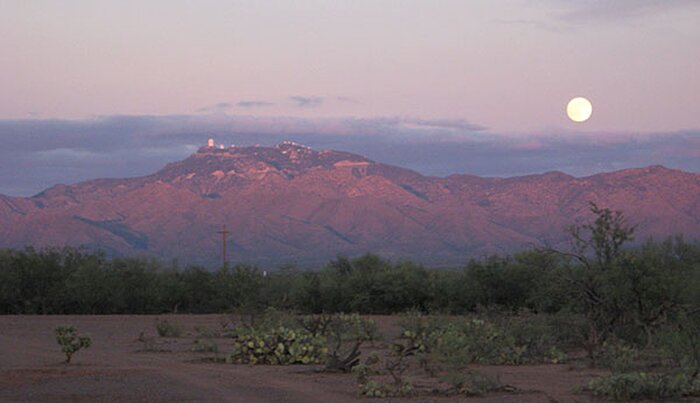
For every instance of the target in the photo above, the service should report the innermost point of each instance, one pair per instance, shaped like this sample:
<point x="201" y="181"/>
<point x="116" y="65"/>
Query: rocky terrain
<point x="290" y="203"/>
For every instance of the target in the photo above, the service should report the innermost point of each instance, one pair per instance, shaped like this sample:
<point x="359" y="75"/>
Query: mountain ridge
<point x="290" y="203"/>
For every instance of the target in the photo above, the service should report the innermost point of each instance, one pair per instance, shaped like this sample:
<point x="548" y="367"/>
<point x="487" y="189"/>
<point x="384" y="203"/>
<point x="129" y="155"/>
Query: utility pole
<point x="224" y="232"/>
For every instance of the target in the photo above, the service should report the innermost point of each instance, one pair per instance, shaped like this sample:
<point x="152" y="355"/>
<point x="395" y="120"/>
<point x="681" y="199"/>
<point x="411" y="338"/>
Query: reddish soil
<point x="115" y="368"/>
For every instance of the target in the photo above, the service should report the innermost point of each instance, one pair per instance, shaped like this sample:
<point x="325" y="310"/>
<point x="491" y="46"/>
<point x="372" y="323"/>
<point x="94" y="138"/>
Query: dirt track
<point x="114" y="368"/>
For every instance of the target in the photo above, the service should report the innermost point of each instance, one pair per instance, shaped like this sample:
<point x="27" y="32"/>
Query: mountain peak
<point x="290" y="202"/>
<point x="215" y="167"/>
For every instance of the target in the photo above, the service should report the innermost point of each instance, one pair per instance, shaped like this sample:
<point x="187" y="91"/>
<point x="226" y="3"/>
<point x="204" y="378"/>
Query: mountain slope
<point x="292" y="203"/>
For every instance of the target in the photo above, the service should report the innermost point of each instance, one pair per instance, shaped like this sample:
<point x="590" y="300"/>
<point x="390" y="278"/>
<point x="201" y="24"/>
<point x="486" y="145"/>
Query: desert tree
<point x="597" y="249"/>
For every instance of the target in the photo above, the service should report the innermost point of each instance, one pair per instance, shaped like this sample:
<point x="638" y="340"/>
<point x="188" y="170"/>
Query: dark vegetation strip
<point x="654" y="280"/>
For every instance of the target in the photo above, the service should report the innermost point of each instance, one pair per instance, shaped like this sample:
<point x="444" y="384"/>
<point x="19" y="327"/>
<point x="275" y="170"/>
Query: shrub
<point x="555" y="356"/>
<point x="416" y="330"/>
<point x="362" y="373"/>
<point x="316" y="324"/>
<point x="471" y="383"/>
<point x="205" y="345"/>
<point x="166" y="328"/>
<point x="373" y="388"/>
<point x="149" y="344"/>
<point x="515" y="340"/>
<point x="681" y="343"/>
<point x="641" y="385"/>
<point x="533" y="334"/>
<point x="345" y="335"/>
<point x="70" y="341"/>
<point x="568" y="328"/>
<point x="475" y="341"/>
<point x="618" y="356"/>
<point x="278" y="346"/>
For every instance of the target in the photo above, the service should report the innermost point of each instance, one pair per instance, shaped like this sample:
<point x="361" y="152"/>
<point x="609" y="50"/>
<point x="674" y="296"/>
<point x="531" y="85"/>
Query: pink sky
<point x="509" y="66"/>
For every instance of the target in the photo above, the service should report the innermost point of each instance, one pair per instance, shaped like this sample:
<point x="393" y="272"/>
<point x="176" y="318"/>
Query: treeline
<point x="655" y="277"/>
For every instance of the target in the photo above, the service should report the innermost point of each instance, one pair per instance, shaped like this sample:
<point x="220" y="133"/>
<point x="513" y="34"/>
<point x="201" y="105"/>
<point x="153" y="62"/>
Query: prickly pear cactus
<point x="278" y="346"/>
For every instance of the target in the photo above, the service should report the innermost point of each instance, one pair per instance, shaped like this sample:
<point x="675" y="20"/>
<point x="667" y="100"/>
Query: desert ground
<point x="116" y="368"/>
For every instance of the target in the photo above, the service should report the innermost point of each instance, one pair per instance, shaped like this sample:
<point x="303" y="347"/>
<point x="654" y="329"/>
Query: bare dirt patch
<point x="118" y="367"/>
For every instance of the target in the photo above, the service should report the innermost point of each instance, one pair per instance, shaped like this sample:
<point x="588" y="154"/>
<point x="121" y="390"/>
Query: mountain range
<point x="290" y="203"/>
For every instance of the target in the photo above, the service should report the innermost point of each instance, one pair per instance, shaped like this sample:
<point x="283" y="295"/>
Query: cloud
<point x="610" y="11"/>
<point x="415" y="128"/>
<point x="456" y="124"/>
<point x="221" y="107"/>
<point x="37" y="154"/>
<point x="528" y="23"/>
<point x="254" y="104"/>
<point x="562" y="16"/>
<point x="307" y="102"/>
<point x="346" y="99"/>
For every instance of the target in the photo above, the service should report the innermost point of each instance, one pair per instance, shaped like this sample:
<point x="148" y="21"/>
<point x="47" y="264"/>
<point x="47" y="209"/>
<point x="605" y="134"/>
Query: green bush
<point x="316" y="324"/>
<point x="345" y="334"/>
<point x="471" y="383"/>
<point x="454" y="343"/>
<point x="416" y="331"/>
<point x="680" y="343"/>
<point x="568" y="328"/>
<point x="373" y="388"/>
<point x="205" y="345"/>
<point x="362" y="373"/>
<point x="531" y="333"/>
<point x="641" y="385"/>
<point x="149" y="344"/>
<point x="165" y="328"/>
<point x="476" y="341"/>
<point x="70" y="341"/>
<point x="555" y="356"/>
<point x="618" y="356"/>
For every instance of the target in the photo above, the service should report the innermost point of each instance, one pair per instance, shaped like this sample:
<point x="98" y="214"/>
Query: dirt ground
<point x="115" y="368"/>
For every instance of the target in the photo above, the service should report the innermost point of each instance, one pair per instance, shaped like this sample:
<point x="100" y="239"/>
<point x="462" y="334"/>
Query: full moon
<point x="579" y="109"/>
